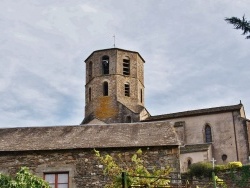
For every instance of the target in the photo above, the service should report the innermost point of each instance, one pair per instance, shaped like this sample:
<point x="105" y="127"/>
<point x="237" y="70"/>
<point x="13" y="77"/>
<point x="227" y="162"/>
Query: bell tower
<point x="114" y="90"/>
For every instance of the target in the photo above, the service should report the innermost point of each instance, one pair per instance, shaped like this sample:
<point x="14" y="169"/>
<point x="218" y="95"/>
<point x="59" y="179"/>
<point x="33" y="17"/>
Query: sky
<point x="194" y="59"/>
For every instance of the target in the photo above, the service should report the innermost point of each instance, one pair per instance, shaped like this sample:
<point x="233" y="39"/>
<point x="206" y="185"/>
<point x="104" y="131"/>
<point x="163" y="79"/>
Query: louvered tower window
<point x="127" y="89"/>
<point x="126" y="67"/>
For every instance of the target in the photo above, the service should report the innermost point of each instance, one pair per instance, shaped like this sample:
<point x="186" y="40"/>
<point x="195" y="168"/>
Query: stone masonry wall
<point x="105" y="108"/>
<point x="82" y="165"/>
<point x="230" y="135"/>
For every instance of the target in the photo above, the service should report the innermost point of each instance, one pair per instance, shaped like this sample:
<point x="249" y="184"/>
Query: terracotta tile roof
<point x="88" y="136"/>
<point x="194" y="148"/>
<point x="195" y="112"/>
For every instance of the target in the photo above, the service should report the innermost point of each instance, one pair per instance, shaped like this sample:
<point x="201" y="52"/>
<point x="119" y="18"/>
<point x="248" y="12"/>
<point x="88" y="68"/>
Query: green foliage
<point x="239" y="175"/>
<point x="134" y="167"/>
<point x="218" y="168"/>
<point x="23" y="179"/>
<point x="241" y="179"/>
<point x="235" y="164"/>
<point x="201" y="169"/>
<point x="240" y="24"/>
<point x="204" y="169"/>
<point x="4" y="181"/>
<point x="220" y="182"/>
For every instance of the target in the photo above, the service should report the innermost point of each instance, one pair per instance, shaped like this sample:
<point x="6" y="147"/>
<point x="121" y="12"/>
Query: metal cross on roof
<point x="114" y="41"/>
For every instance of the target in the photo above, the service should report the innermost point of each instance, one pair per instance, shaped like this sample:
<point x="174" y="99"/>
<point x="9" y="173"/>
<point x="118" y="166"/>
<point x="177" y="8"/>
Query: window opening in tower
<point x="141" y="96"/>
<point x="127" y="90"/>
<point x="90" y="69"/>
<point x="90" y="94"/>
<point x="126" y="67"/>
<point x="105" y="89"/>
<point x="105" y="65"/>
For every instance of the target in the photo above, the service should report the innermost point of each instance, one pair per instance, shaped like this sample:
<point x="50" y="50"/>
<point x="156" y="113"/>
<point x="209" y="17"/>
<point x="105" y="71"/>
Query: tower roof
<point x="114" y="49"/>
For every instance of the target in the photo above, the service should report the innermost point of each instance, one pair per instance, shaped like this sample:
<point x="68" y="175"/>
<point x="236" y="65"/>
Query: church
<point x="117" y="121"/>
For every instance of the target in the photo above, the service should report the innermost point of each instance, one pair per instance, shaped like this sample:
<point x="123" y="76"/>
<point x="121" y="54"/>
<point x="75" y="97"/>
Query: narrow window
<point x="105" y="64"/>
<point x="126" y="90"/>
<point x="90" y="69"/>
<point x="105" y="89"/>
<point x="90" y="94"/>
<point x="189" y="162"/>
<point x="128" y="119"/>
<point x="141" y="96"/>
<point x="57" y="180"/>
<point x="126" y="66"/>
<point x="208" y="134"/>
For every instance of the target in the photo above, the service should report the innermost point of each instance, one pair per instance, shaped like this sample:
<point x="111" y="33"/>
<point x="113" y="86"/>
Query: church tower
<point x="114" y="90"/>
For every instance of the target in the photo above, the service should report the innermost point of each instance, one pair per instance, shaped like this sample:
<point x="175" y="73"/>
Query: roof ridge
<point x="195" y="112"/>
<point x="115" y="49"/>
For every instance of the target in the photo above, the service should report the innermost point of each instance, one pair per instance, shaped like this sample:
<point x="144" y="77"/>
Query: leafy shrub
<point x="218" y="168"/>
<point x="4" y="181"/>
<point x="135" y="169"/>
<point x="201" y="169"/>
<point x="235" y="164"/>
<point x="204" y="169"/>
<point x="23" y="179"/>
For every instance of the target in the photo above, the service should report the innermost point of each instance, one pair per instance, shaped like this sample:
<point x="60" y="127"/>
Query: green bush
<point x="204" y="169"/>
<point x="235" y="164"/>
<point x="239" y="174"/>
<point x="23" y="179"/>
<point x="218" y="168"/>
<point x="201" y="169"/>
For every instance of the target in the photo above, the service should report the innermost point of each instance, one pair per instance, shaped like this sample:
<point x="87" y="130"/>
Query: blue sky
<point x="194" y="59"/>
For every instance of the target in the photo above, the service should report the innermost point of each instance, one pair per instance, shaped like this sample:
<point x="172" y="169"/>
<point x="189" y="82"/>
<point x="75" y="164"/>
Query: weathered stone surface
<point x="229" y="130"/>
<point x="116" y="107"/>
<point x="83" y="167"/>
<point x="88" y="136"/>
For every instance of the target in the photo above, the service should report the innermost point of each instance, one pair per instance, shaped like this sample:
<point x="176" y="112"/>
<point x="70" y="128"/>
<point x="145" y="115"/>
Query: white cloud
<point x="193" y="58"/>
<point x="89" y="9"/>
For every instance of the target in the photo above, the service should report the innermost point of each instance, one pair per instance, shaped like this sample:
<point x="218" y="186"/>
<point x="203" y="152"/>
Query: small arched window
<point x="90" y="69"/>
<point x="208" y="134"/>
<point x="105" y="89"/>
<point x="128" y="119"/>
<point x="105" y="64"/>
<point x="126" y="66"/>
<point x="189" y="162"/>
<point x="90" y="94"/>
<point x="224" y="157"/>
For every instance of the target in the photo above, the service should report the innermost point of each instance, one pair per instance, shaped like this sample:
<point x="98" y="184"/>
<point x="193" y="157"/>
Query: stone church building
<point x="116" y="121"/>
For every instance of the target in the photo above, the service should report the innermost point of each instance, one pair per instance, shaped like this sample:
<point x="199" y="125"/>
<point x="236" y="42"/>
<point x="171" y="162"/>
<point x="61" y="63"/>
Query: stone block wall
<point x="105" y="108"/>
<point x="227" y="134"/>
<point x="83" y="167"/>
<point x="241" y="137"/>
